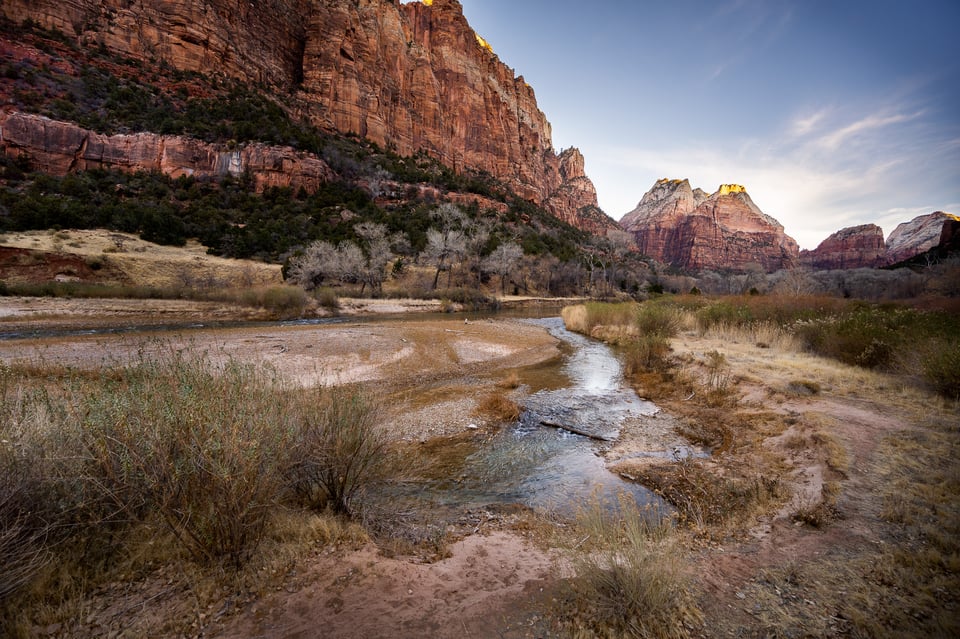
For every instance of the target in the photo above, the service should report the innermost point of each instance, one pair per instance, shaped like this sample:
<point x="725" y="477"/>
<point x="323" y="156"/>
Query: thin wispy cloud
<point x="809" y="176"/>
<point x="750" y="26"/>
<point x="867" y="124"/>
<point x="806" y="124"/>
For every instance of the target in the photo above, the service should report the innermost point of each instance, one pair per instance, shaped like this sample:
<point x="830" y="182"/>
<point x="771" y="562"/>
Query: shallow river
<point x="541" y="466"/>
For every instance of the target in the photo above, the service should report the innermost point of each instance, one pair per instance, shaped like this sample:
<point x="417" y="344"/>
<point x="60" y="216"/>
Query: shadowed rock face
<point x="682" y="226"/>
<point x="409" y="76"/>
<point x="853" y="247"/>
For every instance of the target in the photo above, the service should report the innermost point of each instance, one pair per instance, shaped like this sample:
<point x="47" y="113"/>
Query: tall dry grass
<point x="583" y="318"/>
<point x="631" y="577"/>
<point x="170" y="447"/>
<point x="281" y="301"/>
<point x="206" y="450"/>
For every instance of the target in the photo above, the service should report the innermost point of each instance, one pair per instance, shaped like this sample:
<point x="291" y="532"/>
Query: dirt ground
<point x="497" y="580"/>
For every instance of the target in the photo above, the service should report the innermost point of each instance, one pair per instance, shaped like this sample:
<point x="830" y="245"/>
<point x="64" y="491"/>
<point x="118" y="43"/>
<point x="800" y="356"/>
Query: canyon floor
<point x="498" y="574"/>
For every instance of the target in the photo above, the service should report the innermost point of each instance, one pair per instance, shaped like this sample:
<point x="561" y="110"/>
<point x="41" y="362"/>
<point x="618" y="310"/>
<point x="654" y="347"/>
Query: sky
<point x="832" y="113"/>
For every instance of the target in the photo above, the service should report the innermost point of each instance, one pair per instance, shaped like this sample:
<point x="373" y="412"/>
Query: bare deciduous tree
<point x="322" y="262"/>
<point x="447" y="243"/>
<point x="502" y="261"/>
<point x="377" y="245"/>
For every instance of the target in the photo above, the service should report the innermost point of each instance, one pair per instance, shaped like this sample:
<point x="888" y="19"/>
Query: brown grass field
<point x="829" y="507"/>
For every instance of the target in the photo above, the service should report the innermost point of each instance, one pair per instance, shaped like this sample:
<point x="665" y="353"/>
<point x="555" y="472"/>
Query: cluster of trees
<point x="454" y="243"/>
<point x="340" y="234"/>
<point x="863" y="283"/>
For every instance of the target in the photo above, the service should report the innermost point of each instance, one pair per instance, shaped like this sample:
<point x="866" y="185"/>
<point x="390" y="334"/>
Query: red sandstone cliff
<point x="678" y="225"/>
<point x="60" y="147"/>
<point x="409" y="76"/>
<point x="853" y="247"/>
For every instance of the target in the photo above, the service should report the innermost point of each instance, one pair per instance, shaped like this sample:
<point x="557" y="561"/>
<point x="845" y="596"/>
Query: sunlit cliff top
<point x="726" y="189"/>
<point x="483" y="43"/>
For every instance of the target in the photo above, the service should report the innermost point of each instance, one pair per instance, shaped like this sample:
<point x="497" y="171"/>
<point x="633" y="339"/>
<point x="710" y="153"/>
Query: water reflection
<point x="546" y="467"/>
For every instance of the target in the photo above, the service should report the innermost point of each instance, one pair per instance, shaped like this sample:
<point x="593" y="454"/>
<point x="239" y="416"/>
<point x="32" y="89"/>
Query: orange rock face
<point x="854" y="247"/>
<point x="682" y="226"/>
<point x="407" y="76"/>
<point x="60" y="147"/>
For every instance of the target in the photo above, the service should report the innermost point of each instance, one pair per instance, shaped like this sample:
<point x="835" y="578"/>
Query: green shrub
<point x="722" y="313"/>
<point x="865" y="336"/>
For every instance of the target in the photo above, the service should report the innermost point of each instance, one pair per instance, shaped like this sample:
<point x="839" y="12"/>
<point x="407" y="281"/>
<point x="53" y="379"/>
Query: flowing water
<point x="542" y="466"/>
<point x="528" y="463"/>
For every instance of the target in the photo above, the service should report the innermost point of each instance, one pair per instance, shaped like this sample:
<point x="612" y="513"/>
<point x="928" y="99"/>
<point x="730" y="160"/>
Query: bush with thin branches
<point x="338" y="451"/>
<point x="204" y="449"/>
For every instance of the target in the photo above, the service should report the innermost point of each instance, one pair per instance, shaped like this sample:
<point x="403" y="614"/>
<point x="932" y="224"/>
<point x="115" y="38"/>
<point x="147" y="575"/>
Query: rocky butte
<point x="853" y="247"/>
<point x="409" y="77"/>
<point x="918" y="235"/>
<point x="687" y="228"/>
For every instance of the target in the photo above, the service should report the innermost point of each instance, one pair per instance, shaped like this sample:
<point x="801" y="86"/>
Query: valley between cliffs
<point x="839" y="441"/>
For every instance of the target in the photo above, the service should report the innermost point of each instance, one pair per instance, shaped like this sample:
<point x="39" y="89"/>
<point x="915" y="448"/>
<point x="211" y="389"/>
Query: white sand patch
<point x="470" y="351"/>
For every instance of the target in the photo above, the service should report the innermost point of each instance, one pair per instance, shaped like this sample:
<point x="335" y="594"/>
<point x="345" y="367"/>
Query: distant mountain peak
<point x="685" y="227"/>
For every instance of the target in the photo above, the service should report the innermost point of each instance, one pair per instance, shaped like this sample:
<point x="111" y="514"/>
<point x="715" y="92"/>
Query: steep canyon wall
<point x="409" y="77"/>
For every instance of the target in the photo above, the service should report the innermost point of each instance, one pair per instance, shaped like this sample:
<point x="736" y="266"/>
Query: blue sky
<point x="831" y="112"/>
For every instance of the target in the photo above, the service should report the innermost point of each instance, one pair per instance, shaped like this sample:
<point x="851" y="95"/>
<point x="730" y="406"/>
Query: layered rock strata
<point x="684" y="227"/>
<point x="59" y="147"/>
<point x="853" y="247"/>
<point x="409" y="77"/>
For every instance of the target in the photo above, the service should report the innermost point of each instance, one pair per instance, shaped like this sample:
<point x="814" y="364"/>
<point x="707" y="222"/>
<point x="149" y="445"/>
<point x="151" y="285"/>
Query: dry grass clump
<point x="631" y="579"/>
<point x="510" y="382"/>
<point x="497" y="405"/>
<point x="764" y="334"/>
<point x="327" y="298"/>
<point x="658" y="319"/>
<point x="835" y="455"/>
<point x="583" y="318"/>
<point x="283" y="302"/>
<point x="575" y="318"/>
<point x="645" y="353"/>
<point x="804" y="387"/>
<point x="200" y="461"/>
<point x="23" y="528"/>
<point x="708" y="498"/>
